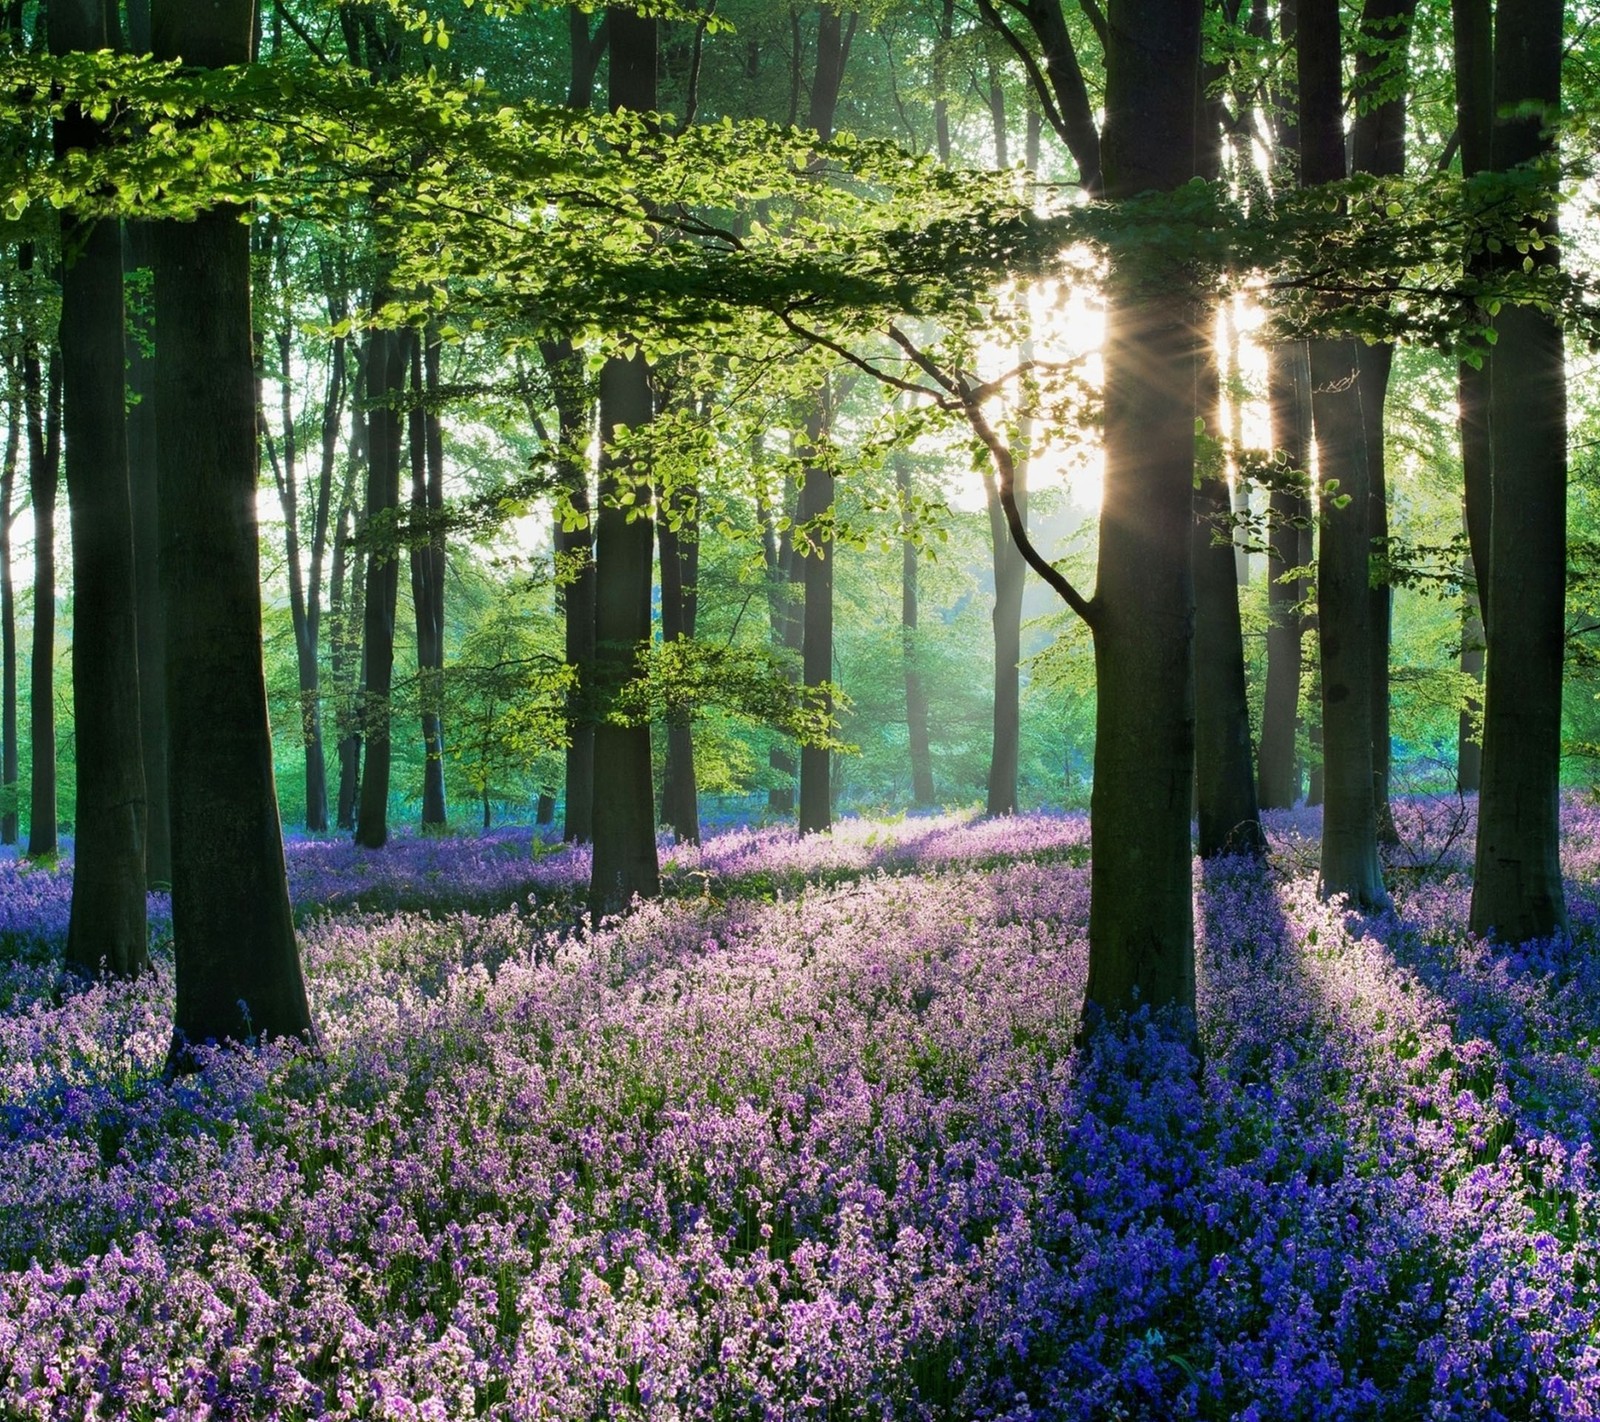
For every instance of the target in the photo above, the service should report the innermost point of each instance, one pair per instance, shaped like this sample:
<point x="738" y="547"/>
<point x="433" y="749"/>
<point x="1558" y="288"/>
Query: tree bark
<point x="625" y="862"/>
<point x="1378" y="146"/>
<point x="1141" y="924"/>
<point x="238" y="968"/>
<point x="143" y="473"/>
<point x="1289" y="399"/>
<point x="347" y="609"/>
<point x="1517" y="891"/>
<point x="1350" y="863"/>
<point x="107" y="931"/>
<point x="678" y="531"/>
<point x="1228" y="814"/>
<point x="574" y="571"/>
<point x="922" y="788"/>
<point x="9" y="789"/>
<point x="1469" y="747"/>
<point x="386" y="377"/>
<point x="43" y="410"/>
<point x="816" y="509"/>
<point x="428" y="567"/>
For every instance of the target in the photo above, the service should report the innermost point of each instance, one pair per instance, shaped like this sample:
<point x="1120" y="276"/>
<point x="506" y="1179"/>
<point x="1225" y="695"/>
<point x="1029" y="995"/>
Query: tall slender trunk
<point x="1141" y="922"/>
<point x="9" y="818"/>
<point x="1225" y="787"/>
<point x="1378" y="146"/>
<point x="835" y="33"/>
<point x="922" y="789"/>
<point x="143" y="474"/>
<point x="1229" y="818"/>
<point x="625" y="862"/>
<point x="238" y="973"/>
<point x="386" y="378"/>
<point x="1289" y="399"/>
<point x="43" y="410"/>
<point x="1472" y="27"/>
<point x="816" y="510"/>
<point x="107" y="931"/>
<point x="678" y="535"/>
<point x="1350" y="863"/>
<point x="1517" y="891"/>
<point x="574" y="570"/>
<point x="1469" y="747"/>
<point x="347" y="609"/>
<point x="427" y="568"/>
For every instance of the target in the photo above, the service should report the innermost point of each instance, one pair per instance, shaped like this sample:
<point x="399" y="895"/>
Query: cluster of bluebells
<point x="825" y="1153"/>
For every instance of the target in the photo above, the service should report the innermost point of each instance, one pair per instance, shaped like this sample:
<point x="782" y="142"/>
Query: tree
<point x="107" y="931"/>
<point x="8" y="610"/>
<point x="238" y="973"/>
<point x="625" y="861"/>
<point x="1350" y="863"/>
<point x="1517" y="893"/>
<point x="1378" y="146"/>
<point x="428" y="566"/>
<point x="42" y="410"/>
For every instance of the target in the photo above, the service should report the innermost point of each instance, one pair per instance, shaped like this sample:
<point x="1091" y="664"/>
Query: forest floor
<point x="811" y="1138"/>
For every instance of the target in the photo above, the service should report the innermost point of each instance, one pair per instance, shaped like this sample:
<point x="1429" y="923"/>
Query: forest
<point x="717" y="709"/>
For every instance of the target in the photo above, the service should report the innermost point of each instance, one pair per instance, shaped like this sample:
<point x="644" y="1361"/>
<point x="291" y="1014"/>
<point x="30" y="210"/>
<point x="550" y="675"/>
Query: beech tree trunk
<point x="107" y="931"/>
<point x="678" y="531"/>
<point x="1378" y="145"/>
<point x="43" y="412"/>
<point x="143" y="472"/>
<point x="816" y="503"/>
<point x="1228" y="814"/>
<point x="922" y="789"/>
<point x="1517" y="892"/>
<point x="1350" y="863"/>
<point x="1141" y="922"/>
<point x="386" y="380"/>
<point x="1289" y="399"/>
<point x="625" y="862"/>
<point x="238" y="967"/>
<point x="428" y="568"/>
<point x="1469" y="748"/>
<point x="347" y="607"/>
<point x="574" y="573"/>
<point x="9" y="818"/>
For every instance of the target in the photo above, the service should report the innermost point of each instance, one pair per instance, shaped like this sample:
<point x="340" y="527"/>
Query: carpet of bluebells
<point x="812" y="1138"/>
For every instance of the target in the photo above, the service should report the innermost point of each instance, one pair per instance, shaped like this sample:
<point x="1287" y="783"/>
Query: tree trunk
<point x="1226" y="809"/>
<point x="1469" y="747"/>
<point x="1517" y="892"/>
<point x="1289" y="398"/>
<point x="44" y="477"/>
<point x="679" y="538"/>
<point x="922" y="790"/>
<point x="107" y="931"/>
<point x="1141" y="922"/>
<point x="1229" y="819"/>
<point x="347" y="609"/>
<point x="386" y="378"/>
<point x="143" y="473"/>
<point x="1378" y="145"/>
<point x="238" y="967"/>
<point x="816" y="508"/>
<point x="427" y="569"/>
<point x="574" y="571"/>
<point x="9" y="817"/>
<point x="1344" y="603"/>
<point x="625" y="861"/>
